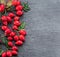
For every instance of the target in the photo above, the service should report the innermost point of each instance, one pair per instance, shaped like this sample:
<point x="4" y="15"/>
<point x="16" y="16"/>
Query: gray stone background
<point x="43" y="29"/>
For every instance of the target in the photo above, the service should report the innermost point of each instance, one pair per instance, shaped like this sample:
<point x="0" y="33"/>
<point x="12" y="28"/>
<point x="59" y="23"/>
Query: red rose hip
<point x="14" y="52"/>
<point x="4" y="54"/>
<point x="10" y="44"/>
<point x="19" y="43"/>
<point x="15" y="27"/>
<point x="19" y="13"/>
<point x="17" y="23"/>
<point x="7" y="31"/>
<point x="22" y="38"/>
<point x="16" y="18"/>
<point x="16" y="38"/>
<point x="9" y="53"/>
<point x="11" y="14"/>
<point x="4" y="28"/>
<point x="12" y="34"/>
<point x="19" y="7"/>
<point x="22" y="32"/>
<point x="15" y="48"/>
<point x="10" y="38"/>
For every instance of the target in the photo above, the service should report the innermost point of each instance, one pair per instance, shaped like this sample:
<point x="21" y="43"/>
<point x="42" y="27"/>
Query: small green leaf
<point x="5" y="41"/>
<point x="22" y="26"/>
<point x="26" y="6"/>
<point x="1" y="51"/>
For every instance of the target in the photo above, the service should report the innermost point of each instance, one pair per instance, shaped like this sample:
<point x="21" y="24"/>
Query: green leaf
<point x="1" y="51"/>
<point x="22" y="26"/>
<point x="5" y="41"/>
<point x="26" y="6"/>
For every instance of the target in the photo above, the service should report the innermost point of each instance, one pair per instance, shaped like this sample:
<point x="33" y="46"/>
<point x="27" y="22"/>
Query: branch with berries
<point x="12" y="27"/>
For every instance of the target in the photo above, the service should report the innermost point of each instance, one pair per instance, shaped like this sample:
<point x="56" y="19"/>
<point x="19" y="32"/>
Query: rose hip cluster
<point x="10" y="31"/>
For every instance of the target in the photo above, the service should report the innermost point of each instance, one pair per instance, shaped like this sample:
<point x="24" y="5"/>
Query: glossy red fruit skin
<point x="19" y="13"/>
<point x="15" y="27"/>
<point x="22" y="38"/>
<point x="5" y="23"/>
<point x="16" y="38"/>
<point x="16" y="18"/>
<point x="9" y="19"/>
<point x="15" y="48"/>
<point x="14" y="52"/>
<point x="22" y="32"/>
<point x="19" y="7"/>
<point x="9" y="53"/>
<point x="10" y="38"/>
<point x="19" y="43"/>
<point x="17" y="23"/>
<point x="18" y="3"/>
<point x="8" y="31"/>
<point x="10" y="44"/>
<point x="11" y="14"/>
<point x="4" y="54"/>
<point x="15" y="3"/>
<point x="3" y="18"/>
<point x="4" y="28"/>
<point x="2" y="7"/>
<point x="12" y="34"/>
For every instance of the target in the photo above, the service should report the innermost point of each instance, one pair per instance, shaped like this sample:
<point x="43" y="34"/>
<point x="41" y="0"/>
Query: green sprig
<point x="5" y="41"/>
<point x="26" y="6"/>
<point x="22" y="26"/>
<point x="1" y="51"/>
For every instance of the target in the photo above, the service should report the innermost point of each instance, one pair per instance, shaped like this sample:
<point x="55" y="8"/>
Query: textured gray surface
<point x="43" y="29"/>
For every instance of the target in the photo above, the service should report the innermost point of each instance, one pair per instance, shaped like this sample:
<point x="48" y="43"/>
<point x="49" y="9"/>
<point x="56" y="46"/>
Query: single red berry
<point x="7" y="31"/>
<point x="15" y="27"/>
<point x="14" y="52"/>
<point x="14" y="3"/>
<point x="9" y="53"/>
<point x="9" y="19"/>
<point x="4" y="54"/>
<point x="4" y="28"/>
<point x="11" y="14"/>
<point x="10" y="44"/>
<point x="3" y="18"/>
<point x="12" y="34"/>
<point x="15" y="48"/>
<point x="19" y="43"/>
<point x="22" y="32"/>
<point x="5" y="23"/>
<point x="17" y="23"/>
<point x="2" y="7"/>
<point x="10" y="38"/>
<point x="19" y="7"/>
<point x="16" y="38"/>
<point x="19" y="13"/>
<point x="22" y="38"/>
<point x="18" y="3"/>
<point x="16" y="18"/>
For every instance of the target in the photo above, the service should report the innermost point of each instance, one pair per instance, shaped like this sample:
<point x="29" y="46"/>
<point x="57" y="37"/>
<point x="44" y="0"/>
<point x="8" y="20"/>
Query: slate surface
<point x="43" y="29"/>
